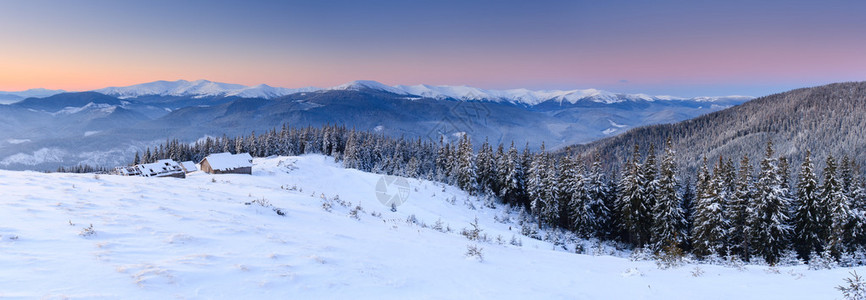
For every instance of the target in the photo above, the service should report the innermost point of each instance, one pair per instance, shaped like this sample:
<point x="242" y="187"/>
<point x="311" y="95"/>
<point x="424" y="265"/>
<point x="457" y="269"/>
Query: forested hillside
<point x="829" y="119"/>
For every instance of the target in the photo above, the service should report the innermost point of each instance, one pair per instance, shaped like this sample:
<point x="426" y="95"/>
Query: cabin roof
<point x="226" y="161"/>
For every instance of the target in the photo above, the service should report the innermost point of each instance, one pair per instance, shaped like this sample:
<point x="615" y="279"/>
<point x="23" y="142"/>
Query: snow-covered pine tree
<point x="668" y="221"/>
<point x="838" y="211"/>
<point x="513" y="178"/>
<point x="580" y="211"/>
<point x="351" y="155"/>
<point x="710" y="225"/>
<point x="535" y="184"/>
<point x="552" y="211"/>
<point x="613" y="226"/>
<point x="597" y="196"/>
<point x="147" y="158"/>
<point x="566" y="189"/>
<point x="808" y="212"/>
<point x="858" y="213"/>
<point x="687" y="206"/>
<point x="485" y="168"/>
<point x="465" y="165"/>
<point x="770" y="211"/>
<point x="649" y="189"/>
<point x="738" y="212"/>
<point x="442" y="168"/>
<point x="632" y="208"/>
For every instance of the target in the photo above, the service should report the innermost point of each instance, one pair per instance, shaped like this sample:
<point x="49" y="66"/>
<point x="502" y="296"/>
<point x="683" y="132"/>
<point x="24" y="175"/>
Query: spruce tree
<point x="538" y="187"/>
<point x="668" y="222"/>
<point x="485" y="168"/>
<point x="808" y="214"/>
<point x="465" y="165"/>
<point x="649" y="189"/>
<point x="632" y="207"/>
<point x="597" y="195"/>
<point x="513" y="178"/>
<point x="770" y="211"/>
<point x="738" y="212"/>
<point x="687" y="206"/>
<point x="708" y="233"/>
<point x="837" y="208"/>
<point x="581" y="218"/>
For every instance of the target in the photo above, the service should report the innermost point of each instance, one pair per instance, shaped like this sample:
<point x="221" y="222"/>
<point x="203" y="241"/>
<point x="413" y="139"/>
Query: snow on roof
<point x="227" y="161"/>
<point x="189" y="166"/>
<point x="162" y="167"/>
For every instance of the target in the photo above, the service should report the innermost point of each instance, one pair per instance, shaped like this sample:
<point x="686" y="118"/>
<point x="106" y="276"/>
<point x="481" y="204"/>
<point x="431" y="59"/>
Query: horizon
<point x="659" y="48"/>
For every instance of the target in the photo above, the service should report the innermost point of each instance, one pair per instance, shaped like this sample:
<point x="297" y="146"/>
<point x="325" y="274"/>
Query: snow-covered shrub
<point x="438" y="225"/>
<point x="579" y="248"/>
<point x="734" y="261"/>
<point x="468" y="204"/>
<point x="823" y="261"/>
<point x="790" y="258"/>
<point x="266" y="204"/>
<point x="846" y="259"/>
<point x="530" y="229"/>
<point x="854" y="288"/>
<point x="87" y="231"/>
<point x="473" y="251"/>
<point x="489" y="201"/>
<point x="354" y="213"/>
<point x="474" y="233"/>
<point x="411" y="219"/>
<point x="641" y="253"/>
<point x="326" y="205"/>
<point x="697" y="271"/>
<point x="515" y="241"/>
<point x="670" y="257"/>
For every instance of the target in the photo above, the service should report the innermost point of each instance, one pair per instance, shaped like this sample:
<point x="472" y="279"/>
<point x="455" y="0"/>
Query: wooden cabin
<point x="227" y="163"/>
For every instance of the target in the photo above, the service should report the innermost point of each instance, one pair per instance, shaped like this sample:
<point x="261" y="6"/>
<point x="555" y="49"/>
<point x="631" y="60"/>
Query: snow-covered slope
<point x="208" y="236"/>
<point x="199" y="88"/>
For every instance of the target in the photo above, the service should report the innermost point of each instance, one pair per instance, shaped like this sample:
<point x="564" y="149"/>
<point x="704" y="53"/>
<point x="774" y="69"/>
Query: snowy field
<point x="209" y="236"/>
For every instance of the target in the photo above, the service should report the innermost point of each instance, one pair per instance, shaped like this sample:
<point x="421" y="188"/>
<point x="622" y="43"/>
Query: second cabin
<point x="227" y="163"/>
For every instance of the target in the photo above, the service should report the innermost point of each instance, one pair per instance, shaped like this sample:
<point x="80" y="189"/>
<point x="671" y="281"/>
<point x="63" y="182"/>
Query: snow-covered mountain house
<point x="188" y="166"/>
<point x="227" y="163"/>
<point x="160" y="168"/>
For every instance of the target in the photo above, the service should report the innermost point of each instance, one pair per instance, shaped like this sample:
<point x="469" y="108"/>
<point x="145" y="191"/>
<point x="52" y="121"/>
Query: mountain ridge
<point x="205" y="88"/>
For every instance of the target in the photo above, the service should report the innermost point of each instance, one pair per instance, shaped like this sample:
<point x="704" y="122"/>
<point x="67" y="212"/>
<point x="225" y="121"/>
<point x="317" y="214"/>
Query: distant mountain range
<point x="107" y="126"/>
<point x="12" y="97"/>
<point x="204" y="88"/>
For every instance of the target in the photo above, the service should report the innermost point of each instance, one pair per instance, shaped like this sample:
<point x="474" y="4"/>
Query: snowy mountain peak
<point x="199" y="88"/>
<point x="368" y="84"/>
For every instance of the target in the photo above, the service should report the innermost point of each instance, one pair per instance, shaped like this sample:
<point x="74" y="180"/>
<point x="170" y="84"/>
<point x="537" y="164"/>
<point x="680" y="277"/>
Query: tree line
<point x="727" y="210"/>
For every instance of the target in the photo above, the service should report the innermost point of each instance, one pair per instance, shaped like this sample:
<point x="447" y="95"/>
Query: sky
<point x="665" y="47"/>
